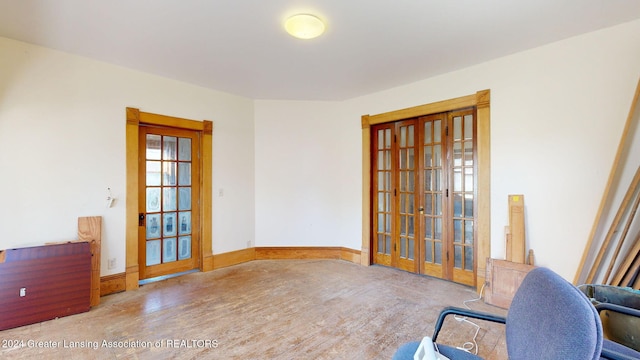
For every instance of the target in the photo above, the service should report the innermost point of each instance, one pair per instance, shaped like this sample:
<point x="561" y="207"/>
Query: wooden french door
<point x="424" y="181"/>
<point x="168" y="232"/>
<point x="395" y="183"/>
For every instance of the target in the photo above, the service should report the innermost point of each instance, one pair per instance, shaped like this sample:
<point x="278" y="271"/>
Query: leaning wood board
<point x="516" y="233"/>
<point x="90" y="230"/>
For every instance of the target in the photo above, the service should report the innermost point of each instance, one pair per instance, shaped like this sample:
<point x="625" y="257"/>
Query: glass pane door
<point x="463" y="187"/>
<point x="433" y="191"/>
<point x="406" y="195"/>
<point x="382" y="173"/>
<point x="168" y="197"/>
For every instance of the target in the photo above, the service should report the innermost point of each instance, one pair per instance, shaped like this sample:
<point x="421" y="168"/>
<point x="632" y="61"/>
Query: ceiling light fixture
<point x="304" y="26"/>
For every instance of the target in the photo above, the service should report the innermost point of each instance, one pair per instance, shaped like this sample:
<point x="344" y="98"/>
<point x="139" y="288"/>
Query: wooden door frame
<point x="481" y="100"/>
<point x="136" y="118"/>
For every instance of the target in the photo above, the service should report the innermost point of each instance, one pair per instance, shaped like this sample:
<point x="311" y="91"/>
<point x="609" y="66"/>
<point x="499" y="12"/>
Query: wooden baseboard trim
<point x="112" y="284"/>
<point x="296" y="252"/>
<point x="116" y="283"/>
<point x="285" y="253"/>
<point x="207" y="263"/>
<point x="233" y="258"/>
<point x="351" y="255"/>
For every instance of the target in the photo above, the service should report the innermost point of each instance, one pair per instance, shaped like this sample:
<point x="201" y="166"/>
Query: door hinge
<point x="446" y="193"/>
<point x="446" y="130"/>
<point x="395" y="192"/>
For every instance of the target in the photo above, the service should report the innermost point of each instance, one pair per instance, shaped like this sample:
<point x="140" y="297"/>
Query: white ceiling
<point x="240" y="46"/>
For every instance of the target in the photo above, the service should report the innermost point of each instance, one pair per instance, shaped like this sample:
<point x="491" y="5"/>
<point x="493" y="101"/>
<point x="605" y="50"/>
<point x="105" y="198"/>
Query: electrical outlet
<point x="249" y="243"/>
<point x="111" y="264"/>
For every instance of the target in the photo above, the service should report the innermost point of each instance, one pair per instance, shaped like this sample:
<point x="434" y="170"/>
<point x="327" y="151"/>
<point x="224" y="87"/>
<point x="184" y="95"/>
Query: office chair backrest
<point x="549" y="318"/>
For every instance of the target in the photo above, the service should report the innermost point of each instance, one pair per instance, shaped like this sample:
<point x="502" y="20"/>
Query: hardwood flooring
<point x="266" y="309"/>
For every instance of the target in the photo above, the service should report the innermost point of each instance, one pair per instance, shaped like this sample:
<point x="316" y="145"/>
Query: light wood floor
<point x="269" y="309"/>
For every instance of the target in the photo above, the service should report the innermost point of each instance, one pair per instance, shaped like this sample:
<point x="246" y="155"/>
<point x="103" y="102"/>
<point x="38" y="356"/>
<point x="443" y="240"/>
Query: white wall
<point x="557" y="114"/>
<point x="308" y="172"/>
<point x="62" y="143"/>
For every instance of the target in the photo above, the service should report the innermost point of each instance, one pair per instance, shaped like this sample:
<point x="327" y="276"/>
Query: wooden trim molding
<point x="233" y="258"/>
<point x="285" y="253"/>
<point x="481" y="100"/>
<point x="131" y="222"/>
<point x="112" y="284"/>
<point x="206" y="196"/>
<point x="365" y="255"/>
<point x="298" y="252"/>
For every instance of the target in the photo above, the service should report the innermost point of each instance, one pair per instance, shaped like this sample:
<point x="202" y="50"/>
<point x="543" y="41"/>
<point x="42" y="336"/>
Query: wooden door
<point x="424" y="181"/>
<point x="168" y="232"/>
<point x="432" y="200"/>
<point x="395" y="182"/>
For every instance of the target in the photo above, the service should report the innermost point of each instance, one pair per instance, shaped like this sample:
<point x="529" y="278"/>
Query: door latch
<point x="141" y="219"/>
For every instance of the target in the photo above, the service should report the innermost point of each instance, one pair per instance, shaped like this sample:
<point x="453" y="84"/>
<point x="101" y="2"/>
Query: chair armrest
<point x="451" y="310"/>
<point x="614" y="355"/>
<point x="618" y="308"/>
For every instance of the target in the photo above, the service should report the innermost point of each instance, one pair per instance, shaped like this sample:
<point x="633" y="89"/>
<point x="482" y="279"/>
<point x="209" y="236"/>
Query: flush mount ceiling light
<point x="304" y="26"/>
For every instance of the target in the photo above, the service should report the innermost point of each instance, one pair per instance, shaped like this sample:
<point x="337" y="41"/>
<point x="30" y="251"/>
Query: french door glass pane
<point x="437" y="252"/>
<point x="457" y="255"/>
<point x="153" y="173"/>
<point x="153" y="147"/>
<point x="388" y="244"/>
<point x="153" y="252"/>
<point x="169" y="148"/>
<point x="168" y="173"/>
<point x="184" y="247"/>
<point x="184" y="198"/>
<point x="168" y="199"/>
<point x="184" y="174"/>
<point x="170" y="250"/>
<point x="468" y="127"/>
<point x="184" y="149"/>
<point x="169" y="224"/>
<point x="468" y="258"/>
<point x="153" y="199"/>
<point x="153" y="226"/>
<point x="457" y="128"/>
<point x="468" y="232"/>
<point x="185" y="222"/>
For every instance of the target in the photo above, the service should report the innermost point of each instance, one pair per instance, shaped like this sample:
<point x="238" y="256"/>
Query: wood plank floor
<point x="269" y="309"/>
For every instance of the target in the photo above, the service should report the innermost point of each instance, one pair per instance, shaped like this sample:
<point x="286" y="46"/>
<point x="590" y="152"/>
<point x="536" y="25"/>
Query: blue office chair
<point x="549" y="318"/>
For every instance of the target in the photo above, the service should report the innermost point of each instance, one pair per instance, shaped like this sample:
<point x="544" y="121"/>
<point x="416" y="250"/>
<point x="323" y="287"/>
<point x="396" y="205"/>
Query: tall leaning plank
<point x="615" y="168"/>
<point x="614" y="226"/>
<point x="516" y="222"/>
